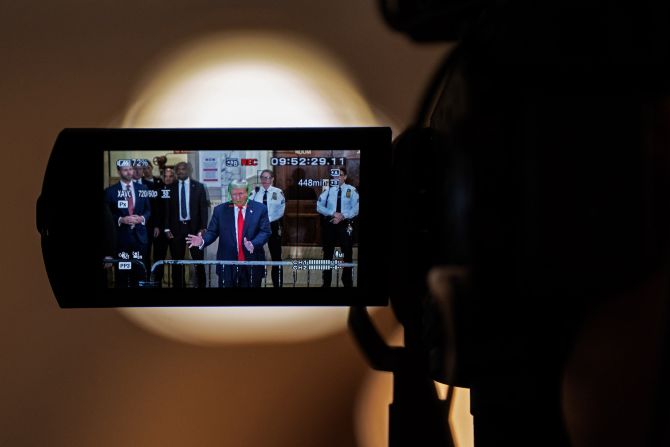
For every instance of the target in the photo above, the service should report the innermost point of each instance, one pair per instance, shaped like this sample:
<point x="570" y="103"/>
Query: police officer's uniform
<point x="274" y="199"/>
<point x="342" y="199"/>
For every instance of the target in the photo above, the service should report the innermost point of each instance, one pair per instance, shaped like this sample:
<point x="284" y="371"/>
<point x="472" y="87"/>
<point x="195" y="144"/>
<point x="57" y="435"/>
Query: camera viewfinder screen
<point x="231" y="218"/>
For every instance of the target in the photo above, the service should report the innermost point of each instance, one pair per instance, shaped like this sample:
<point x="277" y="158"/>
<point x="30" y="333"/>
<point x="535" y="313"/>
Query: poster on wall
<point x="209" y="170"/>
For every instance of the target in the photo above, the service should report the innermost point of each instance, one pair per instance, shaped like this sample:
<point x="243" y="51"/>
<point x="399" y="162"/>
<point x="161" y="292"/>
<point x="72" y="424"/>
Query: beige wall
<point x="90" y="377"/>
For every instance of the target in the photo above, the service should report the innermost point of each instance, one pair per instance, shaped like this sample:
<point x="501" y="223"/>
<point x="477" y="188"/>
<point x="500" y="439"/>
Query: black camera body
<point x="78" y="223"/>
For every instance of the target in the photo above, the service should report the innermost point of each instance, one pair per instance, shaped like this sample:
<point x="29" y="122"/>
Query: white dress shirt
<point x="130" y="186"/>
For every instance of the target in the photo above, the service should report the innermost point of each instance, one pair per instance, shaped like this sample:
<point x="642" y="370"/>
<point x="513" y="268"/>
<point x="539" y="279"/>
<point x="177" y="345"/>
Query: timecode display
<point x="308" y="161"/>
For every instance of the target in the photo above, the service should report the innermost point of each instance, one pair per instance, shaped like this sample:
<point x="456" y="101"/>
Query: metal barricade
<point x="248" y="264"/>
<point x="145" y="279"/>
<point x="131" y="275"/>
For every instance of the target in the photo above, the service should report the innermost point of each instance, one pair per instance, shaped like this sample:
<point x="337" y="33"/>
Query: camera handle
<point x="417" y="416"/>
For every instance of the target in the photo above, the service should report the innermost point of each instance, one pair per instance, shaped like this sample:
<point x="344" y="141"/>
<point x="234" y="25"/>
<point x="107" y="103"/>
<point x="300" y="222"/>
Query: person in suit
<point x="148" y="176"/>
<point x="143" y="174"/>
<point x="243" y="228"/>
<point x="138" y="171"/>
<point x="161" y="241"/>
<point x="185" y="213"/>
<point x="129" y="205"/>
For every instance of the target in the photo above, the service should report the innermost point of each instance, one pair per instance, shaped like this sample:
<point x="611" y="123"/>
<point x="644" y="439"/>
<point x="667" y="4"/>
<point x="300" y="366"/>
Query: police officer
<point x="338" y="206"/>
<point x="273" y="198"/>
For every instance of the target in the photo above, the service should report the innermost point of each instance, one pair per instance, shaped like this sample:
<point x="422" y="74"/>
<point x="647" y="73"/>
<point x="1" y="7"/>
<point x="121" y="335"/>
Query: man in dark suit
<point x="129" y="205"/>
<point x="185" y="213"/>
<point x="148" y="177"/>
<point x="242" y="228"/>
<point x="161" y="241"/>
<point x="143" y="174"/>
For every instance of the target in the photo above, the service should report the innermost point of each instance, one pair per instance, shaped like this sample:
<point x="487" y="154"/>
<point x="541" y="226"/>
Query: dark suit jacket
<point x="157" y="204"/>
<point x="127" y="236"/>
<point x="197" y="206"/>
<point x="222" y="226"/>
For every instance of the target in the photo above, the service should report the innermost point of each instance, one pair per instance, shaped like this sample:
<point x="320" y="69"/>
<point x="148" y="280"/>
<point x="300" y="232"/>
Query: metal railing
<point x="129" y="272"/>
<point x="152" y="281"/>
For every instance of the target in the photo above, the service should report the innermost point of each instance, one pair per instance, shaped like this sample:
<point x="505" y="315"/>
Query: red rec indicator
<point x="249" y="162"/>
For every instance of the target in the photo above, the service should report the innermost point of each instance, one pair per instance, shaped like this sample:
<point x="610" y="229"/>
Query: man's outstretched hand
<point x="194" y="240"/>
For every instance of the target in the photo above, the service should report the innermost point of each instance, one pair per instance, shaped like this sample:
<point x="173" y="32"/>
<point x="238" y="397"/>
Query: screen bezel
<point x="75" y="277"/>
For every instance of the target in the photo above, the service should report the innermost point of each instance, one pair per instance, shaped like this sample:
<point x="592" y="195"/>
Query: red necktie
<point x="240" y="227"/>
<point x="131" y="202"/>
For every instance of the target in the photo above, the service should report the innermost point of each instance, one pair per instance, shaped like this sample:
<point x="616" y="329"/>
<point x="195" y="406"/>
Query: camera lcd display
<point x="232" y="218"/>
<point x="219" y="217"/>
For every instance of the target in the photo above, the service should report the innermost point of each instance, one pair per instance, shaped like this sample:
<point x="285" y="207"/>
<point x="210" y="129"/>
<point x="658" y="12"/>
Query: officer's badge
<point x="348" y="194"/>
<point x="274" y="196"/>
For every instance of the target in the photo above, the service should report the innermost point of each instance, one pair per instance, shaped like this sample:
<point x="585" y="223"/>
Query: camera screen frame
<point x="71" y="241"/>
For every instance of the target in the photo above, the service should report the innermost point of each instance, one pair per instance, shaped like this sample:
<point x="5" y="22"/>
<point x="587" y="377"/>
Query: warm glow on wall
<point x="247" y="80"/>
<point x="250" y="80"/>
